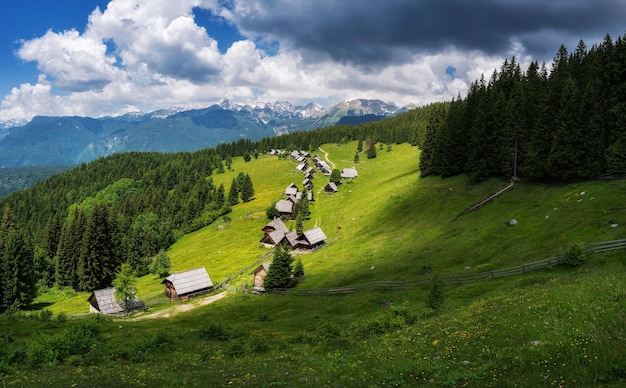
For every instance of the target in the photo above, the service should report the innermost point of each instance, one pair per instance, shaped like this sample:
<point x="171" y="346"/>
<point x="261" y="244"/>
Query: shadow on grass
<point x="38" y="306"/>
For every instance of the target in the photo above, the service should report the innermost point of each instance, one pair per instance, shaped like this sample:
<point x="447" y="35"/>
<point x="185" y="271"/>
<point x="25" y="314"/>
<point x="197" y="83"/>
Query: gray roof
<point x="190" y="281"/>
<point x="330" y="186"/>
<point x="292" y="237"/>
<point x="292" y="189"/>
<point x="284" y="206"/>
<point x="349" y="173"/>
<point x="314" y="236"/>
<point x="278" y="225"/>
<point x="266" y="266"/>
<point x="106" y="303"/>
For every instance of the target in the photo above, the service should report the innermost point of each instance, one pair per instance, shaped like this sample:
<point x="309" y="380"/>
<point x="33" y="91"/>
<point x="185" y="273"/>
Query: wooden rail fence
<point x="597" y="247"/>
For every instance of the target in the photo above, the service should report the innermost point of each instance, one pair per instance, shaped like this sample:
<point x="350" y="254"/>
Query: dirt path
<point x="330" y="163"/>
<point x="181" y="307"/>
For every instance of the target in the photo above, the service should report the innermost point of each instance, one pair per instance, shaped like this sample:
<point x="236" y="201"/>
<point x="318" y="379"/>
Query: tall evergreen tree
<point x="233" y="194"/>
<point x="98" y="263"/>
<point x="69" y="249"/>
<point x="17" y="279"/>
<point x="247" y="190"/>
<point x="279" y="273"/>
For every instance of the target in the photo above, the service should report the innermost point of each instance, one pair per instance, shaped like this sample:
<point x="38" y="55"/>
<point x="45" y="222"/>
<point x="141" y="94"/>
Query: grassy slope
<point x="486" y="334"/>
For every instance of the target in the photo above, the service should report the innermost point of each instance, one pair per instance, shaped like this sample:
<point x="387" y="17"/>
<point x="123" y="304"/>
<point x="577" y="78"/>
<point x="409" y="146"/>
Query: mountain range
<point x="68" y="140"/>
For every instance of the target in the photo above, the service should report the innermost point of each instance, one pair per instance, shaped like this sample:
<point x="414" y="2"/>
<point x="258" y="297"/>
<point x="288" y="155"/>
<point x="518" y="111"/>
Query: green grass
<point x="556" y="327"/>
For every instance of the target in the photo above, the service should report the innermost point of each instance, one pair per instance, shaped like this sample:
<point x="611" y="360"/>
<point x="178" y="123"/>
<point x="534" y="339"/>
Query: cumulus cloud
<point x="150" y="54"/>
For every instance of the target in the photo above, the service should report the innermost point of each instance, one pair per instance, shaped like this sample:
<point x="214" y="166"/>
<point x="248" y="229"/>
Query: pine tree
<point x="335" y="176"/>
<point x="279" y="273"/>
<point x="233" y="194"/>
<point x="69" y="248"/>
<point x="298" y="270"/>
<point x="371" y="148"/>
<point x="247" y="190"/>
<point x="98" y="263"/>
<point x="17" y="279"/>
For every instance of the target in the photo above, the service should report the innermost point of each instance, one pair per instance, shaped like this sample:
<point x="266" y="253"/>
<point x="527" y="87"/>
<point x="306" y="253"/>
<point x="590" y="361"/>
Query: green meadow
<point x="560" y="326"/>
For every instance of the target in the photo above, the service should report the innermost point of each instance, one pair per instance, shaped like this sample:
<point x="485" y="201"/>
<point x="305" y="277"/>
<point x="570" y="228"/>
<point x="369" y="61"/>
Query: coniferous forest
<point x="564" y="123"/>
<point x="77" y="228"/>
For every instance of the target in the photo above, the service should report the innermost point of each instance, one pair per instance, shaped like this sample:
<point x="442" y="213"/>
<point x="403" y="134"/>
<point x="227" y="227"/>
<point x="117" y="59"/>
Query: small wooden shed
<point x="103" y="302"/>
<point x="312" y="239"/>
<point x="330" y="187"/>
<point x="187" y="283"/>
<point x="259" y="276"/>
<point x="349" y="173"/>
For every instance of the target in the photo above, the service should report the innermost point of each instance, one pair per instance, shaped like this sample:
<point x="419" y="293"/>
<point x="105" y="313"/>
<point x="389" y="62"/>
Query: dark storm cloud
<point x="370" y="33"/>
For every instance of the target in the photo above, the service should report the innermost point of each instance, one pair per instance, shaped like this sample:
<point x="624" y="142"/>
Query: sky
<point x="97" y="58"/>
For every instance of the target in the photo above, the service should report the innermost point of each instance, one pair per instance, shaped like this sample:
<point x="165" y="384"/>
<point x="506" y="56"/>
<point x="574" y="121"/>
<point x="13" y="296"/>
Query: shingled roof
<point x="104" y="302"/>
<point x="190" y="281"/>
<point x="284" y="206"/>
<point x="314" y="236"/>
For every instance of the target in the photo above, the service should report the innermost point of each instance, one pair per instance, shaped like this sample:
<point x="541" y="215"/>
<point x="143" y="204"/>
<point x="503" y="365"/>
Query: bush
<point x="215" y="331"/>
<point x="435" y="297"/>
<point x="575" y="254"/>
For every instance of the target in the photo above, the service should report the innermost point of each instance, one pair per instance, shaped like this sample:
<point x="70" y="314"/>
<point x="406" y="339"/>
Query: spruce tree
<point x="335" y="176"/>
<point x="17" y="279"/>
<point x="98" y="263"/>
<point x="279" y="273"/>
<point x="69" y="249"/>
<point x="233" y="194"/>
<point x="247" y="190"/>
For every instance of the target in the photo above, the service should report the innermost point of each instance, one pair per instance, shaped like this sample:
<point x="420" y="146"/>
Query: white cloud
<point x="149" y="54"/>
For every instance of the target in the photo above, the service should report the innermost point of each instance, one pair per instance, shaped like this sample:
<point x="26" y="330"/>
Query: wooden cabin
<point x="284" y="207"/>
<point x="259" y="276"/>
<point x="312" y="239"/>
<point x="103" y="302"/>
<point x="330" y="187"/>
<point x="349" y="173"/>
<point x="187" y="284"/>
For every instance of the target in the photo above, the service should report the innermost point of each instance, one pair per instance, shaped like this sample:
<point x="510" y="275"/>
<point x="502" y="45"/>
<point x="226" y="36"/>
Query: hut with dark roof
<point x="187" y="284"/>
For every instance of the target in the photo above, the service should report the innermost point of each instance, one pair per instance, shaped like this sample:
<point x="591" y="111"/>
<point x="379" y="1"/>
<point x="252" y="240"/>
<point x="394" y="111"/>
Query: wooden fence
<point x="597" y="247"/>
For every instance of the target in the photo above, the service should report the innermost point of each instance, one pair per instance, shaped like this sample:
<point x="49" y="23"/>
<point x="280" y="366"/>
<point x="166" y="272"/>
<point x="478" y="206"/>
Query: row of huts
<point x="177" y="286"/>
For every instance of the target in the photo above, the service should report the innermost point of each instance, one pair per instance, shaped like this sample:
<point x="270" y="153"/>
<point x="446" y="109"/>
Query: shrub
<point x="435" y="297"/>
<point x="328" y="330"/>
<point x="215" y="331"/>
<point x="575" y="254"/>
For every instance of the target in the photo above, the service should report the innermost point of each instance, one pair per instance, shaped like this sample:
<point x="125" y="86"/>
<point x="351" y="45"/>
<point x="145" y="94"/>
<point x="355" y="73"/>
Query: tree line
<point x="565" y="123"/>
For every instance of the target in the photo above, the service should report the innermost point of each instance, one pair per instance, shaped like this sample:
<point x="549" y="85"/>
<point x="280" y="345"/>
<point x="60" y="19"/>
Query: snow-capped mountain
<point x="71" y="140"/>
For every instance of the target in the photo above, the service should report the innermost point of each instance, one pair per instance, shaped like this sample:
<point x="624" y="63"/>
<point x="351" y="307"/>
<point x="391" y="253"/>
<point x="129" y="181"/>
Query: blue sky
<point x="96" y="57"/>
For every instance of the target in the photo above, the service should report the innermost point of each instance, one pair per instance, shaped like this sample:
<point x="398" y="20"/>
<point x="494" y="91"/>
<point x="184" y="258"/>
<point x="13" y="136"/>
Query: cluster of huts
<point x="182" y="285"/>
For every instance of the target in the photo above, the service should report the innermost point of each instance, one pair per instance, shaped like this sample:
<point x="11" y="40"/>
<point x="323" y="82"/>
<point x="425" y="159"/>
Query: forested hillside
<point x="127" y="207"/>
<point x="565" y="123"/>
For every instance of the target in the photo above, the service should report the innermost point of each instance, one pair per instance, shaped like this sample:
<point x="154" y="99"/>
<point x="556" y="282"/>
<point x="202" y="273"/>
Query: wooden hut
<point x="312" y="239"/>
<point x="330" y="187"/>
<point x="103" y="302"/>
<point x="187" y="283"/>
<point x="259" y="276"/>
<point x="349" y="173"/>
